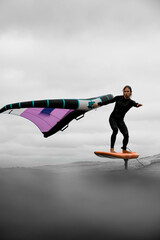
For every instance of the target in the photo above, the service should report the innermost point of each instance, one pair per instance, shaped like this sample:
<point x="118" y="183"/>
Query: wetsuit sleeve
<point x="108" y="102"/>
<point x="134" y="104"/>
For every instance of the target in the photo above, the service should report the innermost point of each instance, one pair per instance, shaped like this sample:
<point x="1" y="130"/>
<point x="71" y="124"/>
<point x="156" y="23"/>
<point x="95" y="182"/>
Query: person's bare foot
<point x="125" y="151"/>
<point x="112" y="150"/>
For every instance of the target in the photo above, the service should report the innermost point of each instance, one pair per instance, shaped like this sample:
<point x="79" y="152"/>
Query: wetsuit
<point x="116" y="119"/>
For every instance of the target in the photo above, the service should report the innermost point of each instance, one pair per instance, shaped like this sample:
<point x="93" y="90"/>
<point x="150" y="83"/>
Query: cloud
<point x="71" y="17"/>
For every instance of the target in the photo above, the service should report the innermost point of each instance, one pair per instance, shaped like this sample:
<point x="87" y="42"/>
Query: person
<point x="123" y="104"/>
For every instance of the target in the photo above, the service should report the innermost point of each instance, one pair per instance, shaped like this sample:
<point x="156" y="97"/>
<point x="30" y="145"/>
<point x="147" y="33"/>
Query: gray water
<point x="93" y="200"/>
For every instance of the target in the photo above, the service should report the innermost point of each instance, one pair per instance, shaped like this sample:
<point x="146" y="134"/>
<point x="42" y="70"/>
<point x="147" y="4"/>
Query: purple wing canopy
<point x="50" y="116"/>
<point x="46" y="118"/>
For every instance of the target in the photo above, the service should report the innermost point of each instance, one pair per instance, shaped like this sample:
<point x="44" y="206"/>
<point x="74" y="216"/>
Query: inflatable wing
<point x="53" y="115"/>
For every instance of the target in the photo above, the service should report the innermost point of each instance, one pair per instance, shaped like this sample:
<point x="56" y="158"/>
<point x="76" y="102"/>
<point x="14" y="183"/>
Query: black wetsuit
<point x="116" y="119"/>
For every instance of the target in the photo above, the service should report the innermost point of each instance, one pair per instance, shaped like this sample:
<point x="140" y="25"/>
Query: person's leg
<point x="124" y="130"/>
<point x="114" y="127"/>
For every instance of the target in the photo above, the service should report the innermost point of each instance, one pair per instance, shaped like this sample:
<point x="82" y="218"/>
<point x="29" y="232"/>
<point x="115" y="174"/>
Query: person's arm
<point x="139" y="105"/>
<point x="95" y="105"/>
<point x="135" y="104"/>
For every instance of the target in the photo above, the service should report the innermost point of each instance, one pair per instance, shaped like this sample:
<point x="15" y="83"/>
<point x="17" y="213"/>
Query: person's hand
<point x="95" y="105"/>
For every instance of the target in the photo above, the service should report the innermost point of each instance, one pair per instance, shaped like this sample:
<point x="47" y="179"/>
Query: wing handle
<point x="81" y="116"/>
<point x="66" y="126"/>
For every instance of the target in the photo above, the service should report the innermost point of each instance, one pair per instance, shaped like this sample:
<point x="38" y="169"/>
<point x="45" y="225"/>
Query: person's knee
<point x="115" y="131"/>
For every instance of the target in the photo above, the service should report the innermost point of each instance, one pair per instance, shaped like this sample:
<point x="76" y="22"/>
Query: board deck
<point x="132" y="155"/>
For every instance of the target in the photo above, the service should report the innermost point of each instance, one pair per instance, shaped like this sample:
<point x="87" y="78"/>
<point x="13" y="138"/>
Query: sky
<point x="78" y="49"/>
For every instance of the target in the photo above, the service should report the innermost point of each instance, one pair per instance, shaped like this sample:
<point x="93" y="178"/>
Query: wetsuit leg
<point x="124" y="130"/>
<point x="114" y="127"/>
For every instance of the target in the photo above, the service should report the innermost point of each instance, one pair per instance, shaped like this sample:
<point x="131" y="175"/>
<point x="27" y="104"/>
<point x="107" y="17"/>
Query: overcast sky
<point x="78" y="49"/>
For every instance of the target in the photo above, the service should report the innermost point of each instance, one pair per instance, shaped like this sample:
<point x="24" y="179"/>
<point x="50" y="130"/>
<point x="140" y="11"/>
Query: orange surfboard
<point x="132" y="155"/>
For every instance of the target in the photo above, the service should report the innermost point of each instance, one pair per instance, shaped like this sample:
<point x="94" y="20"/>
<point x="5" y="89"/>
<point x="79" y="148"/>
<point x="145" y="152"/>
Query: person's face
<point x="127" y="93"/>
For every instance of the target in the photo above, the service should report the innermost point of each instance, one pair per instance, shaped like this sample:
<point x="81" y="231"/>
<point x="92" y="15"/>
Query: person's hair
<point x="127" y="86"/>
